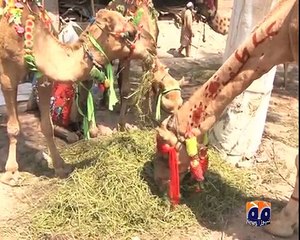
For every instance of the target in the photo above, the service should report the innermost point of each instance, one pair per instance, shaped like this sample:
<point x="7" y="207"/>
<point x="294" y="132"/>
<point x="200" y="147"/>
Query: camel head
<point x="182" y="148"/>
<point x="119" y="38"/>
<point x="206" y="9"/>
<point x="164" y="136"/>
<point x="167" y="86"/>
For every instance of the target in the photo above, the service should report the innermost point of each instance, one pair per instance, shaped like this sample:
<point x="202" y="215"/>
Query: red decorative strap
<point x="199" y="165"/>
<point x="174" y="186"/>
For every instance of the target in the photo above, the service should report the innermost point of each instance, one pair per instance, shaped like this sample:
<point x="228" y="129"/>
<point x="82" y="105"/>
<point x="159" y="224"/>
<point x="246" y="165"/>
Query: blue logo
<point x="258" y="213"/>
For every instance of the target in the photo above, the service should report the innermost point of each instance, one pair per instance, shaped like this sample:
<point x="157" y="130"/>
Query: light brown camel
<point x="59" y="62"/>
<point x="162" y="82"/>
<point x="254" y="57"/>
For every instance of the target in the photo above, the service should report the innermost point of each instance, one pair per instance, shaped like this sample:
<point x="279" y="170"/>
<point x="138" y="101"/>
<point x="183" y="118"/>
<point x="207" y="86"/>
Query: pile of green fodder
<point x="113" y="195"/>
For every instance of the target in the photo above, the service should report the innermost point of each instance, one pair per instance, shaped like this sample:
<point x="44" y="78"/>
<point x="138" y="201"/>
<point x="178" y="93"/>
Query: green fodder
<point x="110" y="199"/>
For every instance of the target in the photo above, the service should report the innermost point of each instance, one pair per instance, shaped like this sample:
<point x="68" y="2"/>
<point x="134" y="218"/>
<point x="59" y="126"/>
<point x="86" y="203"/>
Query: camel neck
<point x="253" y="58"/>
<point x="61" y="62"/>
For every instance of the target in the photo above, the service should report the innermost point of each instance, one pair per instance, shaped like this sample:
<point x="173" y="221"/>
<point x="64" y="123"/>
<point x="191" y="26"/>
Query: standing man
<point x="186" y="29"/>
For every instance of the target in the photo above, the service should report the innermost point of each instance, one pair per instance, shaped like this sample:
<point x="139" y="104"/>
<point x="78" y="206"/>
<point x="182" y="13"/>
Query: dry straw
<point x="111" y="195"/>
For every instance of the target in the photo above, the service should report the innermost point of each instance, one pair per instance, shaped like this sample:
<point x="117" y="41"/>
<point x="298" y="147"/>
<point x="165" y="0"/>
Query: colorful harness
<point x="198" y="163"/>
<point x="62" y="93"/>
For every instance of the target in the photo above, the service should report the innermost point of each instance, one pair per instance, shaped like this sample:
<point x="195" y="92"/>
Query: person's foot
<point x="179" y="53"/>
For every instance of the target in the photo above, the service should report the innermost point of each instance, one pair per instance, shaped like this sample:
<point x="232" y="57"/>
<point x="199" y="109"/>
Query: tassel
<point x="191" y="146"/>
<point x="174" y="190"/>
<point x="199" y="165"/>
<point x="196" y="170"/>
<point x="174" y="186"/>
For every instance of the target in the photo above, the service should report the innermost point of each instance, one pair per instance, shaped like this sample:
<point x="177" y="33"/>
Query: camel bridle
<point x="124" y="35"/>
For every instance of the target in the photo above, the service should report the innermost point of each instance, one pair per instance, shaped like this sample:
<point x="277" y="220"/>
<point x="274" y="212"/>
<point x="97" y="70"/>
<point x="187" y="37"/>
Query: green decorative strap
<point x="112" y="98"/>
<point x="97" y="46"/>
<point x="30" y="60"/>
<point x="158" y="103"/>
<point x="89" y="117"/>
<point x="205" y="139"/>
<point x="138" y="17"/>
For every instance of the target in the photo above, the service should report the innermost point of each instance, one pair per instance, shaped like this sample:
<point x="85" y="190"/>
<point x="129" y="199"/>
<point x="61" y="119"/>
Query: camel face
<point x="206" y="8"/>
<point x="120" y="37"/>
<point x="169" y="87"/>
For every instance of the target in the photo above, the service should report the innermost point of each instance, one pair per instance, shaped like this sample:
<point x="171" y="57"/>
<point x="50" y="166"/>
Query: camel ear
<point x="183" y="82"/>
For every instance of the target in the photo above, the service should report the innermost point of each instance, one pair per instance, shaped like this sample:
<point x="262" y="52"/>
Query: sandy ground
<point x="280" y="135"/>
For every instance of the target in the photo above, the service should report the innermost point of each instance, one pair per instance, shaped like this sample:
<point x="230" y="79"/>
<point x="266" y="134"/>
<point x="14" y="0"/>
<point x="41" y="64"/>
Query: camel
<point x="253" y="58"/>
<point x="57" y="62"/>
<point x="162" y="82"/>
<point x="207" y="11"/>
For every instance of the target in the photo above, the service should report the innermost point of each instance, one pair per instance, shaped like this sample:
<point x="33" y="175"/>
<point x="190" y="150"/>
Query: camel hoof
<point x="64" y="172"/>
<point x="72" y="137"/>
<point x="104" y="130"/>
<point x="279" y="228"/>
<point x="11" y="178"/>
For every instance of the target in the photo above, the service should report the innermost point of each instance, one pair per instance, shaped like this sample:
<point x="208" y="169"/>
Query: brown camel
<point x="253" y="58"/>
<point x="58" y="62"/>
<point x="163" y="82"/>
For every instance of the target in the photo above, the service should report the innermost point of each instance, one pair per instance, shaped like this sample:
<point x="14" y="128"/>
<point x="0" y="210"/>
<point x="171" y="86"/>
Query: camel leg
<point x="284" y="224"/>
<point x="9" y="89"/>
<point x="44" y="93"/>
<point x="123" y="82"/>
<point x="285" y="67"/>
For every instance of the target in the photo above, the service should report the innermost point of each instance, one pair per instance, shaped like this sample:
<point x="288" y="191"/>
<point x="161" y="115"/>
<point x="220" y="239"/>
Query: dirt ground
<point x="280" y="139"/>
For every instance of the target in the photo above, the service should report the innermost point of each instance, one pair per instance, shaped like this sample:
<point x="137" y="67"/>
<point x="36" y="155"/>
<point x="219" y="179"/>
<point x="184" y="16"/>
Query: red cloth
<point x="174" y="186"/>
<point x="62" y="99"/>
<point x="199" y="165"/>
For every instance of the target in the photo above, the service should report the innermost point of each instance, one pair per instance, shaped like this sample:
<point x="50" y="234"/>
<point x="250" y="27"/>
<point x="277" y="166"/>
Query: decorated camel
<point x="179" y="139"/>
<point x="27" y="44"/>
<point x="165" y="88"/>
<point x="207" y="12"/>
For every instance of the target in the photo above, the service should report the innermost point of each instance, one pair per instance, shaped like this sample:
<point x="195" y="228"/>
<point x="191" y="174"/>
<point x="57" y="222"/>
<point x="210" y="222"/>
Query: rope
<point x="158" y="103"/>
